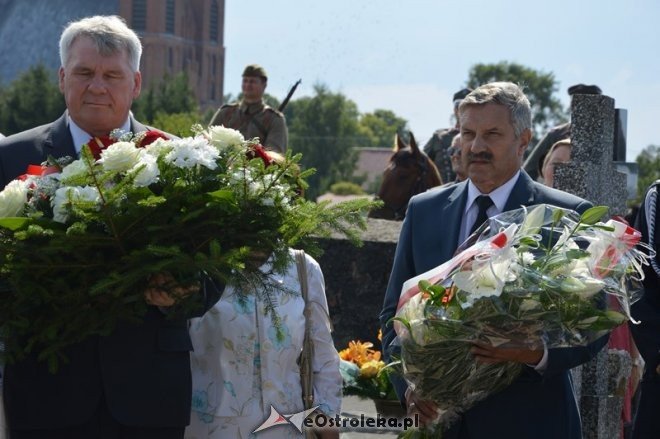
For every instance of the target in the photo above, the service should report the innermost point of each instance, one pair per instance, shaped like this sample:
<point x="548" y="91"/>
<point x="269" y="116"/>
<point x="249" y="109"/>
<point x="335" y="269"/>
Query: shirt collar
<point x="252" y="107"/>
<point x="81" y="137"/>
<point x="499" y="195"/>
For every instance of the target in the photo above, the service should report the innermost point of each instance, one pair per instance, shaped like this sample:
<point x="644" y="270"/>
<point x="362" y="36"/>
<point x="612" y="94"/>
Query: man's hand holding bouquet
<point x="538" y="278"/>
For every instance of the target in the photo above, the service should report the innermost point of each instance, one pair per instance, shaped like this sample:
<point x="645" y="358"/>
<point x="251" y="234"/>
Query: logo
<point x="276" y="418"/>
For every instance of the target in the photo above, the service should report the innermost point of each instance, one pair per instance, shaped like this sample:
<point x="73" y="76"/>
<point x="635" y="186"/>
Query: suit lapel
<point x="454" y="211"/>
<point x="523" y="193"/>
<point x="137" y="127"/>
<point x="58" y="141"/>
<point x="444" y="227"/>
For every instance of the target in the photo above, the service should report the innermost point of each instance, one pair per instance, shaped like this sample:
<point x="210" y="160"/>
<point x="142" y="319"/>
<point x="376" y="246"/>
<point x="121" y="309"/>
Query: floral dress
<point x="241" y="368"/>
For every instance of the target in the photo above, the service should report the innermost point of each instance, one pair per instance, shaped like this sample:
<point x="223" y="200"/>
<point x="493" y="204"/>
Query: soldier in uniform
<point x="251" y="116"/>
<point x="437" y="148"/>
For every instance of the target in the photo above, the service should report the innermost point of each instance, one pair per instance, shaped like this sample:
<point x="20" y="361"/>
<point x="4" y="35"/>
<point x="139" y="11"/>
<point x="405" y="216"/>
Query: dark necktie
<point x="483" y="202"/>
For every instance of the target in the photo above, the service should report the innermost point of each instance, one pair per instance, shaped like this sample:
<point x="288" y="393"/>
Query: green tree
<point x="649" y="167"/>
<point x="323" y="128"/>
<point x="32" y="99"/>
<point x="380" y="127"/>
<point x="346" y="188"/>
<point x="540" y="88"/>
<point x="171" y="95"/>
<point x="178" y="124"/>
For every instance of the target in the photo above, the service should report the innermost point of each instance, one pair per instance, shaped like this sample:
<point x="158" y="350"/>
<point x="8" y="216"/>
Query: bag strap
<point x="306" y="372"/>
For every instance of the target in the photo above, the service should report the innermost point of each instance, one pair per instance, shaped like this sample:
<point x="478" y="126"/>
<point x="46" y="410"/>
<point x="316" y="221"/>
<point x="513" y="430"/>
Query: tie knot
<point x="483" y="202"/>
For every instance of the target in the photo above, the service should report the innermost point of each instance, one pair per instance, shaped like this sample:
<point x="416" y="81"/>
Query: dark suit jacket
<point x="534" y="406"/>
<point x="647" y="335"/>
<point x="142" y="371"/>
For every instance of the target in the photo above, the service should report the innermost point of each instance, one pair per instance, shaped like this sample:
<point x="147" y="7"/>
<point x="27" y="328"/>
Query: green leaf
<point x="223" y="194"/>
<point x="529" y="242"/>
<point x="577" y="254"/>
<point x="14" y="223"/>
<point x="594" y="214"/>
<point x="557" y="215"/>
<point x="424" y="285"/>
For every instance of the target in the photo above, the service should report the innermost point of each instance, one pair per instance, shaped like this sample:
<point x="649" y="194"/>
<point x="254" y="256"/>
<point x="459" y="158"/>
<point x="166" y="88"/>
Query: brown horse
<point x="409" y="172"/>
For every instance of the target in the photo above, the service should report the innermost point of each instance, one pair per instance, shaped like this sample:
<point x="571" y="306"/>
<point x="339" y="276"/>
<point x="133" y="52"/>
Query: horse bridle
<point x="399" y="212"/>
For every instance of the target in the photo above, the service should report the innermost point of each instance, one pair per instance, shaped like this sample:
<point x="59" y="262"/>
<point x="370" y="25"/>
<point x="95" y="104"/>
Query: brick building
<point x="177" y="35"/>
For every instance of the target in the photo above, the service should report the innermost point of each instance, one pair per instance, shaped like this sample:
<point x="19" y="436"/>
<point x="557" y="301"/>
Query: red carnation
<point x="149" y="137"/>
<point x="260" y="151"/>
<point x="98" y="144"/>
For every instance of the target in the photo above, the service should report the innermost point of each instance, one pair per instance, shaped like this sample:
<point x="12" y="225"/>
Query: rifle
<point x="288" y="96"/>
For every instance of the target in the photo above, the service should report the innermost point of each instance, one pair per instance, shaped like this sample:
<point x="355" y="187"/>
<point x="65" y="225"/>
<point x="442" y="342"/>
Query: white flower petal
<point x="13" y="198"/>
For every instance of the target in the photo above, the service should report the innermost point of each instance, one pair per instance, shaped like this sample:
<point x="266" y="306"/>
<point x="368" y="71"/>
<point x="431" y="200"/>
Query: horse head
<point x="408" y="173"/>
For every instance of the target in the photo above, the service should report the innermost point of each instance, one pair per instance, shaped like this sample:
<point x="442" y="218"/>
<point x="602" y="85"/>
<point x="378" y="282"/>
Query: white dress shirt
<point x="499" y="197"/>
<point x="81" y="137"/>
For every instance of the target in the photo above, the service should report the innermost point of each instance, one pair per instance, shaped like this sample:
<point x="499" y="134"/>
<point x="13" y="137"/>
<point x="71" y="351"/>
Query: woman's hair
<point x="109" y="33"/>
<point x="546" y="159"/>
<point x="503" y="93"/>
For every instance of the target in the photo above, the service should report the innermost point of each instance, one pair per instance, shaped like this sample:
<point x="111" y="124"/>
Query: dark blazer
<point x="534" y="406"/>
<point x="142" y="370"/>
<point x="647" y="334"/>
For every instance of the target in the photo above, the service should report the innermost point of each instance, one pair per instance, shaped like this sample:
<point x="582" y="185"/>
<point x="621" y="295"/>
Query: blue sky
<point x="410" y="56"/>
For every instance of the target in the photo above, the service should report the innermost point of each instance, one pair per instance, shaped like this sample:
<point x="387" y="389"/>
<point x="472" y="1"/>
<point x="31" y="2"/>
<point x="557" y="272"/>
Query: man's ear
<point x="138" y="84"/>
<point x="524" y="139"/>
<point x="61" y="79"/>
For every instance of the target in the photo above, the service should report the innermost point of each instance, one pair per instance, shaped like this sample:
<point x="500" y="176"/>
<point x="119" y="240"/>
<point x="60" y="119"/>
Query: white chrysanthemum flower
<point x="190" y="152"/>
<point x="120" y="156"/>
<point x="77" y="168"/>
<point x="255" y="187"/>
<point x="147" y="171"/>
<point x="64" y="196"/>
<point x="159" y="147"/>
<point x="13" y="198"/>
<point x="223" y="138"/>
<point x="527" y="258"/>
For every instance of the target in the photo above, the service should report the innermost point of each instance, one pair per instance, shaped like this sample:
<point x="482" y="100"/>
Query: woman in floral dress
<point x="241" y="367"/>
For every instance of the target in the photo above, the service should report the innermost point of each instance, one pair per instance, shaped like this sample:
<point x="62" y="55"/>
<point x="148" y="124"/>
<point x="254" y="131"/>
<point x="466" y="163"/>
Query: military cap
<point x="583" y="89"/>
<point x="462" y="94"/>
<point x="255" y="70"/>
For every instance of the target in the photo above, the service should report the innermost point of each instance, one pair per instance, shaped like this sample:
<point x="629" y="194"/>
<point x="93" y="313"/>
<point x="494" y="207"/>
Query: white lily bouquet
<point x="79" y="239"/>
<point x="538" y="276"/>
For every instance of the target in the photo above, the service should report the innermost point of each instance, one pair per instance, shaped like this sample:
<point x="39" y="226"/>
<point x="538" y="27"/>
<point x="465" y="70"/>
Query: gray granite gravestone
<point x="592" y="175"/>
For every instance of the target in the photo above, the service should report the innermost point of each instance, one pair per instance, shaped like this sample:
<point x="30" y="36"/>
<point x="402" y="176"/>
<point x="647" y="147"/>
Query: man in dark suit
<point x="647" y="311"/>
<point x="135" y="382"/>
<point x="495" y="121"/>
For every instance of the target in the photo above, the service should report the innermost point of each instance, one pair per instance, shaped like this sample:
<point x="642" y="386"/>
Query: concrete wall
<point x="356" y="279"/>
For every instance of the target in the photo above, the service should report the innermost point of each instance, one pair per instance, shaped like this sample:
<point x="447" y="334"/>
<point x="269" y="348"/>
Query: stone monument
<point x="592" y="175"/>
